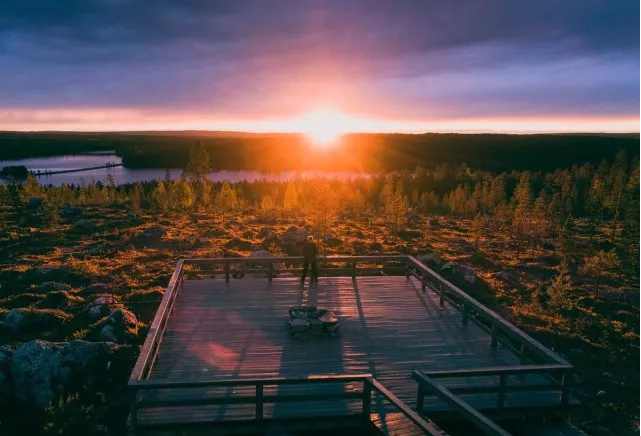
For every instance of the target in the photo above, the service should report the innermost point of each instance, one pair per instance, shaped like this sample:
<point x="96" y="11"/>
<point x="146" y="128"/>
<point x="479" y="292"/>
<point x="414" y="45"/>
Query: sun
<point x="323" y="126"/>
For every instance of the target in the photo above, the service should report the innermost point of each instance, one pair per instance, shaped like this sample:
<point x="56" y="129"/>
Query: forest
<point x="554" y="251"/>
<point x="372" y="153"/>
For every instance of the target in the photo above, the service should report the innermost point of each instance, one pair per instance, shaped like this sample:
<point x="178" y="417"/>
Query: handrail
<point x="494" y="318"/>
<point x="157" y="326"/>
<point x="372" y="383"/>
<point x="293" y="259"/>
<point x="497" y="370"/>
<point x="475" y="417"/>
<point x="267" y="381"/>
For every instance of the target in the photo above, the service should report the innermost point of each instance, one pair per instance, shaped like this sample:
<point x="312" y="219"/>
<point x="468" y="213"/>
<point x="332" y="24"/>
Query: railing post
<point x="494" y="342"/>
<point x="420" y="400"/>
<point x="270" y="272"/>
<point x="466" y="313"/>
<point x="565" y="388"/>
<point x="133" y="411"/>
<point x="353" y="270"/>
<point x="500" y="403"/>
<point x="226" y="272"/>
<point x="423" y="284"/>
<point x="259" y="401"/>
<point x="367" y="399"/>
<point x="440" y="293"/>
<point x="407" y="270"/>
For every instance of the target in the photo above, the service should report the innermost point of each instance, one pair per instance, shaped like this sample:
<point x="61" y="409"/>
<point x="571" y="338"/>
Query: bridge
<point x="40" y="173"/>
<point x="415" y="354"/>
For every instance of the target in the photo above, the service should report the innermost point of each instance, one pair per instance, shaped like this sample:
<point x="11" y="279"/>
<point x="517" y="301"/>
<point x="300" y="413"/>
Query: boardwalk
<point x="220" y="351"/>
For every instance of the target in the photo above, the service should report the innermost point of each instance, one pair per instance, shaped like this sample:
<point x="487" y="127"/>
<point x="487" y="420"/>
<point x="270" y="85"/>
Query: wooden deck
<point x="220" y="351"/>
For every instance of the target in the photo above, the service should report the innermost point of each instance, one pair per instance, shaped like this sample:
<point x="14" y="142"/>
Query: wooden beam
<point x="426" y="427"/>
<point x="497" y="370"/>
<point x="475" y="417"/>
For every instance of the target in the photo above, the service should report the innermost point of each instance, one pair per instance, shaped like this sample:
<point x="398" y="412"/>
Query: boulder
<point x="34" y="321"/>
<point x="59" y="300"/>
<point x="5" y="374"/>
<point x="294" y="235"/>
<point x="375" y="247"/>
<point x="101" y="306"/>
<point x="68" y="211"/>
<point x="409" y="235"/>
<point x="152" y="234"/>
<point x="97" y="288"/>
<point x="53" y="286"/>
<point x="505" y="276"/>
<point x="549" y="245"/>
<point x="465" y="245"/>
<point x="84" y="225"/>
<point x="468" y="274"/>
<point x="431" y="259"/>
<point x="264" y="232"/>
<point x="41" y="371"/>
<point x="120" y="326"/>
<point x="239" y="244"/>
<point x="333" y="242"/>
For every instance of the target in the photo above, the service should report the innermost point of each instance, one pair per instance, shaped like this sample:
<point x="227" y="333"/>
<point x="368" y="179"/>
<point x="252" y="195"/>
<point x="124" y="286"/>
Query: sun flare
<point x="323" y="126"/>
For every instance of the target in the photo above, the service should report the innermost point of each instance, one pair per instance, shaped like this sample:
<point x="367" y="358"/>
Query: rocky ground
<point x="78" y="294"/>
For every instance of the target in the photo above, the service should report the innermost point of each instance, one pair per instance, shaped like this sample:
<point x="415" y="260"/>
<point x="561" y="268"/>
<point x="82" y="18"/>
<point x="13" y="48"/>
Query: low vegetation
<point x="555" y="253"/>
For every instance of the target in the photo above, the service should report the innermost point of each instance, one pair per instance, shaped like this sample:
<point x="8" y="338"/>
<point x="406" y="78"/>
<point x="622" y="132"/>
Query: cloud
<point x="251" y="59"/>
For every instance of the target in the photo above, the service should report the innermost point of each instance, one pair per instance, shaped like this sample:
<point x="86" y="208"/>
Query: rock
<point x="241" y="269"/>
<point x="505" y="276"/>
<point x="51" y="273"/>
<point x="264" y="232"/>
<point x="468" y="274"/>
<point x="68" y="211"/>
<point x="53" y="286"/>
<point x="85" y="225"/>
<point x="34" y="321"/>
<point x="97" y="288"/>
<point x="294" y="235"/>
<point x="101" y="306"/>
<point x="6" y="387"/>
<point x="431" y="259"/>
<point x="465" y="245"/>
<point x="375" y="247"/>
<point x="59" y="300"/>
<point x="34" y="204"/>
<point x="549" y="246"/>
<point x="409" y="235"/>
<point x="21" y="300"/>
<point x="152" y="234"/>
<point x="333" y="242"/>
<point x="41" y="371"/>
<point x="239" y="244"/>
<point x="450" y="266"/>
<point x="120" y="326"/>
<point x="601" y="394"/>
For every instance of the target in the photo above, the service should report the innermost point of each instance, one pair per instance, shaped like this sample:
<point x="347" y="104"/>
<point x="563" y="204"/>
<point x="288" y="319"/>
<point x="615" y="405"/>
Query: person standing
<point x="310" y="253"/>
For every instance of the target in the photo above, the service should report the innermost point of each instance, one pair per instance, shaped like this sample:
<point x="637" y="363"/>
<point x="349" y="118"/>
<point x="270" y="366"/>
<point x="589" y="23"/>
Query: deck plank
<point x="389" y="327"/>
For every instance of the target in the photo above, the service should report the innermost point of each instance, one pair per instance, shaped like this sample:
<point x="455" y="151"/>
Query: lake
<point x="124" y="175"/>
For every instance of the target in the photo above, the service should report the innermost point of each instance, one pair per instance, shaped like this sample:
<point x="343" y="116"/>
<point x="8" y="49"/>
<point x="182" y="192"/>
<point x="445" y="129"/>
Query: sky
<point x="369" y="65"/>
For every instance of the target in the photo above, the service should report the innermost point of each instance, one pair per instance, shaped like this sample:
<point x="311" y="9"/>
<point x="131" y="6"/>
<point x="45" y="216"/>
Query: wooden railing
<point x="528" y="349"/>
<point x="477" y="419"/>
<point x="140" y="388"/>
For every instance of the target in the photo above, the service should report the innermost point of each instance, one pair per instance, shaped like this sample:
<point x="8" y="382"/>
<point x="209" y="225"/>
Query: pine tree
<point x="290" y="200"/>
<point x="160" y="196"/>
<point x="198" y="165"/>
<point x="599" y="265"/>
<point x="226" y="200"/>
<point x="561" y="288"/>
<point x="31" y="188"/>
<point x="395" y="203"/>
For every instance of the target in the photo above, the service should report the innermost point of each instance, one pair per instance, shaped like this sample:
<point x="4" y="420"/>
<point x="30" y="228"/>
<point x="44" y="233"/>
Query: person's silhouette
<point x="310" y="251"/>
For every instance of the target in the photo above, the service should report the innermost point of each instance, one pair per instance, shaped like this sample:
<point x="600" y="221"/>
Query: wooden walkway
<point x="389" y="327"/>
